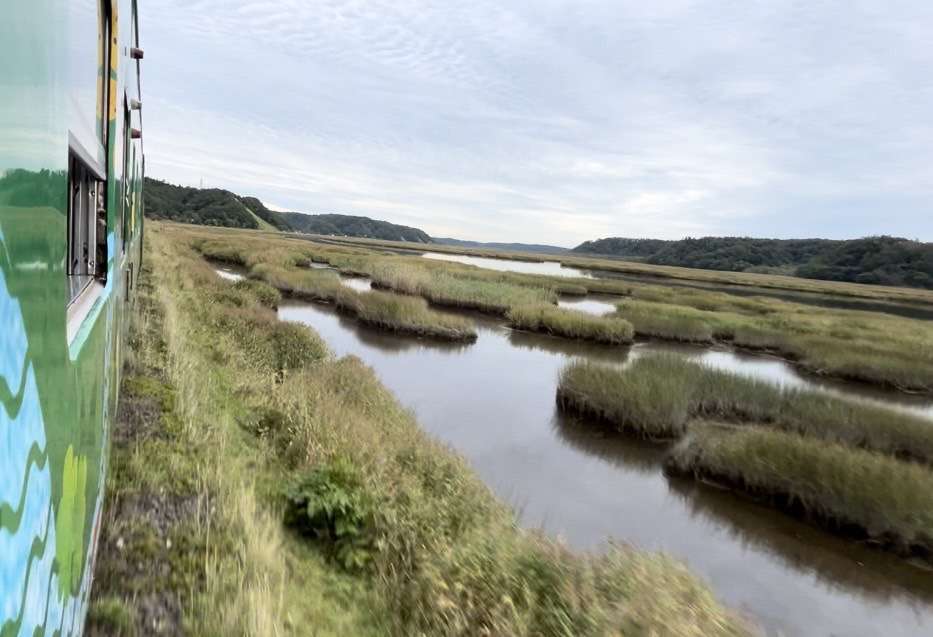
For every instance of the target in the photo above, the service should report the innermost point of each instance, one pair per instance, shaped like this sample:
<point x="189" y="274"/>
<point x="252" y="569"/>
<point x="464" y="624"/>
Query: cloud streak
<point x="554" y="122"/>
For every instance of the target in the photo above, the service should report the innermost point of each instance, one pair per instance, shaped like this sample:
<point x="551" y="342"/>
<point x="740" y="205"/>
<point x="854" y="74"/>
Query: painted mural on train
<point x="70" y="244"/>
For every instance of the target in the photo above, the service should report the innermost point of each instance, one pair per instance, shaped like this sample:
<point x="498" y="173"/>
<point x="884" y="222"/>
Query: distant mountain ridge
<point x="216" y="207"/>
<point x="878" y="260"/>
<point x="515" y="247"/>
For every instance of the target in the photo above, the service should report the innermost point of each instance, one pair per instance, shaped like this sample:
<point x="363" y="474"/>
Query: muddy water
<point x="493" y="401"/>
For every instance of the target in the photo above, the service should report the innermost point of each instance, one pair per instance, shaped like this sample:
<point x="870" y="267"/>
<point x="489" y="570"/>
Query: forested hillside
<point x="208" y="207"/>
<point x="215" y="207"/>
<point x="351" y="226"/>
<point x="878" y="260"/>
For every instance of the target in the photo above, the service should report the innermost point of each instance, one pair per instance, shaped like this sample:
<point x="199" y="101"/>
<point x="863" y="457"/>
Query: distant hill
<point x="512" y="247"/>
<point x="879" y="260"/>
<point x="216" y="207"/>
<point x="351" y="226"/>
<point x="209" y="207"/>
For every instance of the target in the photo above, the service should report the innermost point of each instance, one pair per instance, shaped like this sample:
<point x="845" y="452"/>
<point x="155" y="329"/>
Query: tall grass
<point x="873" y="348"/>
<point x="658" y="395"/>
<point x="890" y="502"/>
<point x="549" y="319"/>
<point x="389" y="312"/>
<point x="438" y="555"/>
<point x="224" y="564"/>
<point x="445" y="287"/>
<point x="668" y="322"/>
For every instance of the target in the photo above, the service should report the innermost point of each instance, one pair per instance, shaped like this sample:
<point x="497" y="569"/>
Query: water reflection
<point x="493" y="402"/>
<point x="590" y="305"/>
<point x="229" y="274"/>
<point x="552" y="268"/>
<point x="360" y="284"/>
<point x="568" y="348"/>
<point x="780" y="372"/>
<point x="602" y="443"/>
<point x="826" y="558"/>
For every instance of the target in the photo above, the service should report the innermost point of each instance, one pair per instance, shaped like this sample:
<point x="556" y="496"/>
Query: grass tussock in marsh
<point x="890" y="502"/>
<point x="867" y="347"/>
<point x="670" y="323"/>
<point x="549" y="319"/>
<point x="632" y="402"/>
<point x="391" y="533"/>
<point x="390" y="312"/>
<point x="658" y="395"/>
<point x="446" y="286"/>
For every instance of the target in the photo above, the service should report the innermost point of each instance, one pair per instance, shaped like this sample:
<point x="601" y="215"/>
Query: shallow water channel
<point x="493" y="401"/>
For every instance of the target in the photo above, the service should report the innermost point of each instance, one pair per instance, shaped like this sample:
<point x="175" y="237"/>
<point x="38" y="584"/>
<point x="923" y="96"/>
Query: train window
<point x="103" y="80"/>
<point x="88" y="165"/>
<point x="87" y="226"/>
<point x="125" y="185"/>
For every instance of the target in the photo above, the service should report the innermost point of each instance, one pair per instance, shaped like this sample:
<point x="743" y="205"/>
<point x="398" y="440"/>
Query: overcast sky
<point x="552" y="121"/>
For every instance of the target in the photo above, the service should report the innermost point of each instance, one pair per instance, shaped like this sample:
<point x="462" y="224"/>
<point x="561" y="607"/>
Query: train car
<point x="71" y="232"/>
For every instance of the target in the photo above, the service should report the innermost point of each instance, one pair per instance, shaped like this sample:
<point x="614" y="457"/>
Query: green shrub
<point x="330" y="504"/>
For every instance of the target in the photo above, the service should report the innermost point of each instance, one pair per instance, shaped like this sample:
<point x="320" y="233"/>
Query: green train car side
<point x="71" y="172"/>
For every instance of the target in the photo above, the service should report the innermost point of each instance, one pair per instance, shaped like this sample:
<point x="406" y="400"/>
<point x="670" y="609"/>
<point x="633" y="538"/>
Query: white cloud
<point x="552" y="121"/>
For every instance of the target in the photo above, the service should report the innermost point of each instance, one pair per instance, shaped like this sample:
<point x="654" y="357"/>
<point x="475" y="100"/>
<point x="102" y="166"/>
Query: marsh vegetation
<point x="381" y="528"/>
<point x="339" y="456"/>
<point x="870" y="347"/>
<point x="827" y="456"/>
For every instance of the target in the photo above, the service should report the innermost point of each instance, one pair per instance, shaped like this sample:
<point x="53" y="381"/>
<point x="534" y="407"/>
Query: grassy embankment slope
<point x="872" y="347"/>
<point x="262" y="486"/>
<point x="844" y="464"/>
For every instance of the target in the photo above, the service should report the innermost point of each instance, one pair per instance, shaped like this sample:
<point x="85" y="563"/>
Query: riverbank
<point x="390" y="531"/>
<point x="823" y="454"/>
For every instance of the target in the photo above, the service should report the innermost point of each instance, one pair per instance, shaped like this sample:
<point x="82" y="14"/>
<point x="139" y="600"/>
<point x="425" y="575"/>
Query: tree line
<point x="880" y="260"/>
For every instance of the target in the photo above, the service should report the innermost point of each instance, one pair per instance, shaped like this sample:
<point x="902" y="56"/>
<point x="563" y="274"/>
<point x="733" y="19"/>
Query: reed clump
<point x="888" y="501"/>
<point x="448" y="287"/>
<point x="867" y="347"/>
<point x="390" y="312"/>
<point x="659" y="395"/>
<point x="550" y="319"/>
<point x="668" y="322"/>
